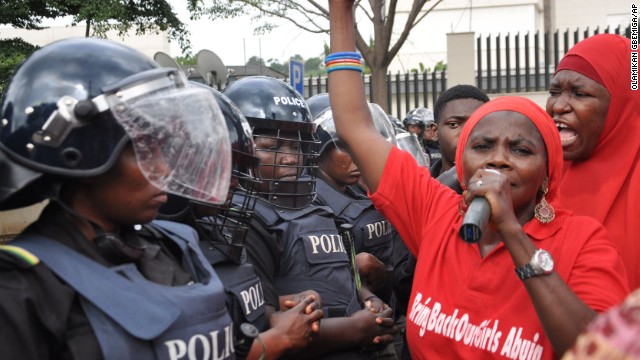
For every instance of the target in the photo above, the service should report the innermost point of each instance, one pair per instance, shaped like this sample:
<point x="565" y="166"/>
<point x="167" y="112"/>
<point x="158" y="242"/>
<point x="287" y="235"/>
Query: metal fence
<point x="521" y="63"/>
<point x="504" y="64"/>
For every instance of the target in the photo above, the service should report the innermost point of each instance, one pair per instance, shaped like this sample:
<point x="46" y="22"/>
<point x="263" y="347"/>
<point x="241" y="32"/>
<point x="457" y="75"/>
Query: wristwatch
<point x="541" y="263"/>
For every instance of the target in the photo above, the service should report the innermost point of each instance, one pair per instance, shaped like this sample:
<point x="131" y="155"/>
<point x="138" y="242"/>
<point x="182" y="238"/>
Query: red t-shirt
<point x="463" y="306"/>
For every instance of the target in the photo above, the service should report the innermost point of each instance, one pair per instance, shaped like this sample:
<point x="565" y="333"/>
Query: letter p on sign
<point x="296" y="75"/>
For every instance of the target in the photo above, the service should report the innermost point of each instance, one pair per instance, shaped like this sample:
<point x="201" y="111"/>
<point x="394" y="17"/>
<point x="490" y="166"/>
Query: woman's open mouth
<point x="567" y="134"/>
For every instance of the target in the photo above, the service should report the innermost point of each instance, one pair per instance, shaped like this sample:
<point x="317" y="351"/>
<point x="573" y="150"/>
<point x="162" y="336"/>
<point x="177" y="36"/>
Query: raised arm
<point x="354" y="125"/>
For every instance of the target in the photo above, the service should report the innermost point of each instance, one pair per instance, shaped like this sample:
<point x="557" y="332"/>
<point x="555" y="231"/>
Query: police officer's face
<point x="416" y="129"/>
<point x="339" y="167"/>
<point x="280" y="156"/>
<point x="122" y="196"/>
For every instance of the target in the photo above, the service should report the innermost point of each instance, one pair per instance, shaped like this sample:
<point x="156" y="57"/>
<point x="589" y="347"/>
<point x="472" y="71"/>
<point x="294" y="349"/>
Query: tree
<point x="12" y="53"/>
<point x="312" y="64"/>
<point x="275" y="65"/>
<point x="314" y="17"/>
<point x="103" y="15"/>
<point x="26" y="14"/>
<point x="255" y="60"/>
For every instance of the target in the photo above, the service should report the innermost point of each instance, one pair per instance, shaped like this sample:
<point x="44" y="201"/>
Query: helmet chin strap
<point x="117" y="248"/>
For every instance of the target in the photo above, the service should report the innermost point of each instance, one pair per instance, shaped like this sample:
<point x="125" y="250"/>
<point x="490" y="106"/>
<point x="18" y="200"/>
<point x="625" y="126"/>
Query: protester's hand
<point x="496" y="188"/>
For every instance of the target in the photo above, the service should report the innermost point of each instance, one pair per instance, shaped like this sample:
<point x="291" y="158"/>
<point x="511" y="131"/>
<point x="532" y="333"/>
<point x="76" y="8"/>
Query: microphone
<point x="475" y="220"/>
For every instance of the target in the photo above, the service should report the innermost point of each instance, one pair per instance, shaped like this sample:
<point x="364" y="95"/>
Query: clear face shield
<point x="409" y="142"/>
<point x="382" y="123"/>
<point x="176" y="150"/>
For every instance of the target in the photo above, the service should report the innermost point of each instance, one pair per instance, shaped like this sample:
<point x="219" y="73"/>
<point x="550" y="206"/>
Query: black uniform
<point x="372" y="232"/>
<point x="42" y="316"/>
<point x="297" y="250"/>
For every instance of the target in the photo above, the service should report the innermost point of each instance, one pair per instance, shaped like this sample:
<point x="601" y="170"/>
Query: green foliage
<point x="188" y="59"/>
<point x="255" y="60"/>
<point x="101" y="16"/>
<point x="275" y="65"/>
<point x="12" y="53"/>
<point x="440" y="66"/>
<point x="26" y="14"/>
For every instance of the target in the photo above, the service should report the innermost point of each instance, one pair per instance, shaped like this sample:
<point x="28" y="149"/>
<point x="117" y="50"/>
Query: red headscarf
<point x="606" y="186"/>
<point x="540" y="119"/>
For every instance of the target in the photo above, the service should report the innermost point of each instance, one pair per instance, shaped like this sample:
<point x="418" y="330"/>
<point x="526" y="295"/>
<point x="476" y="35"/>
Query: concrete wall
<point x="427" y="43"/>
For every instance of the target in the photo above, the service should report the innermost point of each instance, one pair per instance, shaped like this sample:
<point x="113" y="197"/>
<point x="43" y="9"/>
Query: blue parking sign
<point x="296" y="75"/>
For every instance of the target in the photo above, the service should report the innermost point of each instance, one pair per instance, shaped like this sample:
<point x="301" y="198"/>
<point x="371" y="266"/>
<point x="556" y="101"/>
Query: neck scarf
<point x="540" y="119"/>
<point x="606" y="186"/>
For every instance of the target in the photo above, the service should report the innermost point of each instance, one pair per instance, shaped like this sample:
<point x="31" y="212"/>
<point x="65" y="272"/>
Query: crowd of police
<point x="188" y="223"/>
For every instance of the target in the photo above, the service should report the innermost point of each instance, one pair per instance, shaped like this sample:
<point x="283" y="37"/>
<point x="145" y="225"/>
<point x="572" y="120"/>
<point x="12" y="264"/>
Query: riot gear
<point x="225" y="227"/>
<point x="420" y="116"/>
<point x="72" y="106"/>
<point x="326" y="128"/>
<point x="278" y="113"/>
<point x="409" y="142"/>
<point x="318" y="103"/>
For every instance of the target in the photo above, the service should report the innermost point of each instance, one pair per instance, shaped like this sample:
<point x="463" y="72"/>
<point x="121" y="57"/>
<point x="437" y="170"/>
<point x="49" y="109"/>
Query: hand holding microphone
<point x="476" y="217"/>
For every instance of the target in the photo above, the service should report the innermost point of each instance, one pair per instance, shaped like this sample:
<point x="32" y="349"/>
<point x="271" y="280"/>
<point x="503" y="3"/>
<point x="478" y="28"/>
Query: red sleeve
<point x="597" y="275"/>
<point x="413" y="201"/>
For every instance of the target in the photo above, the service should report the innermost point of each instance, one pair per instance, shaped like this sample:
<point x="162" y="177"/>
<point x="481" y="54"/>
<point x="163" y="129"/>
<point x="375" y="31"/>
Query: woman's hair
<point x="538" y="117"/>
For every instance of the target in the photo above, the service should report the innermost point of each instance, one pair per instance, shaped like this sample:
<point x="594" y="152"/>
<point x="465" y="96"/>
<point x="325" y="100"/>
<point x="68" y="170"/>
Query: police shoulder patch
<point x="18" y="256"/>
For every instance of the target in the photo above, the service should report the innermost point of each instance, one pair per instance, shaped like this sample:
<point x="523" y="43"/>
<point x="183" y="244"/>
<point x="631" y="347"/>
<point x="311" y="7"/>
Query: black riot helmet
<point x="326" y="128"/>
<point x="279" y="113"/>
<point x="318" y="103"/>
<point x="420" y="116"/>
<point x="224" y="226"/>
<point x="397" y="124"/>
<point x="73" y="105"/>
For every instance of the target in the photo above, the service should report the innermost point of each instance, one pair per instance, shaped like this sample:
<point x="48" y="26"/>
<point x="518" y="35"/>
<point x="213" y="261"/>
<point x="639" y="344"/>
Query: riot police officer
<point x="420" y="121"/>
<point x="337" y="174"/>
<point x="293" y="244"/>
<point x="104" y="134"/>
<point x="222" y="231"/>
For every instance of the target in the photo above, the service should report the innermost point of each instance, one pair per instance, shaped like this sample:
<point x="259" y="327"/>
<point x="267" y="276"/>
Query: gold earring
<point x="544" y="212"/>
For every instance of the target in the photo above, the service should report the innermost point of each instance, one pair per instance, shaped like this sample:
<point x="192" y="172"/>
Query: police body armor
<point x="371" y="231"/>
<point x="134" y="318"/>
<point x="245" y="299"/>
<point x="314" y="256"/>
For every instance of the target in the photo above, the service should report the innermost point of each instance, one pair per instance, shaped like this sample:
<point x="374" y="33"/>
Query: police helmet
<point x="318" y="103"/>
<point x="397" y="124"/>
<point x="410" y="143"/>
<point x="73" y="105"/>
<point x="275" y="110"/>
<point x="326" y="127"/>
<point x="224" y="226"/>
<point x="419" y="116"/>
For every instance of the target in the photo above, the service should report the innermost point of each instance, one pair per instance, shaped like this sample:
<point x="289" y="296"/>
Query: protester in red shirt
<point x="467" y="302"/>
<point x="595" y="108"/>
